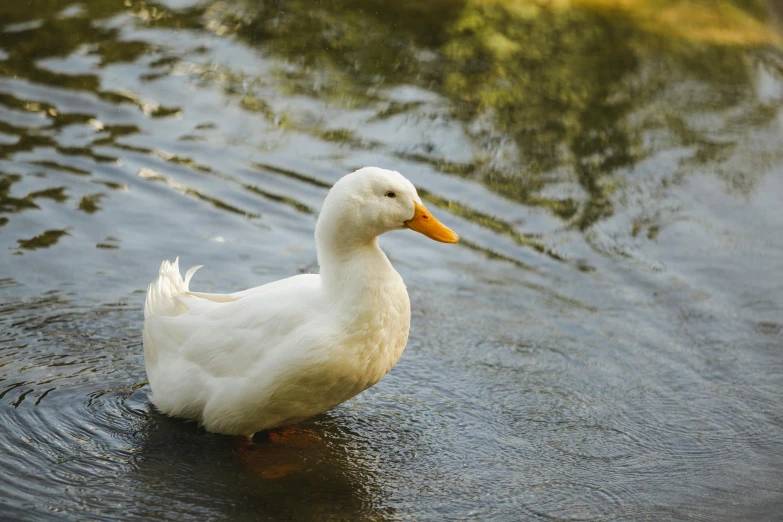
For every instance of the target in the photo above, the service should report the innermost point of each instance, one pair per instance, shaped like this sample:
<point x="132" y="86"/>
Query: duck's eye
<point x="391" y="194"/>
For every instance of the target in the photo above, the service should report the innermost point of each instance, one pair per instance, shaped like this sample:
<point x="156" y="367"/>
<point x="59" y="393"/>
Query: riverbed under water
<point x="606" y="343"/>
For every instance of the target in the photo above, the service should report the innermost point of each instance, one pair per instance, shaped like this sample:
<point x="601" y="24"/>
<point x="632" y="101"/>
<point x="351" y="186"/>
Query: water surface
<point x="604" y="344"/>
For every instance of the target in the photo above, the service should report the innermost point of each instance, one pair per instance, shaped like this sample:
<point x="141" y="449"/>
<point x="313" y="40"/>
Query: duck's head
<point x="372" y="201"/>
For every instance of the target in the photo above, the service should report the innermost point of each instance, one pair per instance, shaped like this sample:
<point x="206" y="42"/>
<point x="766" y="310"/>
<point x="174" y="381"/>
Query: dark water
<point x="605" y="344"/>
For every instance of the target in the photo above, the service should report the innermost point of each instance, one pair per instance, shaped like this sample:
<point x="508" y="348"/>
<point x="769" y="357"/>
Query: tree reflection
<point x="557" y="83"/>
<point x="551" y="94"/>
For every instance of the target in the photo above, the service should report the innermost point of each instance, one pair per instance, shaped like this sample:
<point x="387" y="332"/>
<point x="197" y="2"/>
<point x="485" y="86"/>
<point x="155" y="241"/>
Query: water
<point x="604" y="344"/>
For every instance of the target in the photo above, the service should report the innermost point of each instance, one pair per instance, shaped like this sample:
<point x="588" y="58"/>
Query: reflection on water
<point x="604" y="344"/>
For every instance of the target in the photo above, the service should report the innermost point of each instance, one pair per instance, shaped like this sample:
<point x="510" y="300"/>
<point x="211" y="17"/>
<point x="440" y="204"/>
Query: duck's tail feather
<point x="163" y="294"/>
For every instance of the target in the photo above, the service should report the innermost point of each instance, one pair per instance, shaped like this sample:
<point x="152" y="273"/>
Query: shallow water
<point x="604" y="344"/>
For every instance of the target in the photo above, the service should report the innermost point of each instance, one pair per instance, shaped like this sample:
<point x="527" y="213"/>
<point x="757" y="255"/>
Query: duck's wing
<point x="224" y="335"/>
<point x="236" y="337"/>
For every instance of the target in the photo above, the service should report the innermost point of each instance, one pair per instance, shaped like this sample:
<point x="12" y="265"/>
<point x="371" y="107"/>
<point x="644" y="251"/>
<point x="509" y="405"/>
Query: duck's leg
<point x="241" y="442"/>
<point x="280" y="433"/>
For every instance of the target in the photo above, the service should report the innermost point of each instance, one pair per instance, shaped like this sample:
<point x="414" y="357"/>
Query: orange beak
<point x="424" y="223"/>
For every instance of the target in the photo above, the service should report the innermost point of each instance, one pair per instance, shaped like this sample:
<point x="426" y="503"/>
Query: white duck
<point x="277" y="354"/>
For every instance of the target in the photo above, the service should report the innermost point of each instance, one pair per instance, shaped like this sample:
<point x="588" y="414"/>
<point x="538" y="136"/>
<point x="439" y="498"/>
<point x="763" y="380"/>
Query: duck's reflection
<point x="279" y="453"/>
<point x="310" y="471"/>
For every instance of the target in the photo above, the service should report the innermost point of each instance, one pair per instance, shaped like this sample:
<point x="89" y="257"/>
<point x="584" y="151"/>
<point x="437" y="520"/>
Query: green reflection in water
<point x="554" y="86"/>
<point x="10" y="204"/>
<point x="44" y="240"/>
<point x="90" y="203"/>
<point x="555" y="98"/>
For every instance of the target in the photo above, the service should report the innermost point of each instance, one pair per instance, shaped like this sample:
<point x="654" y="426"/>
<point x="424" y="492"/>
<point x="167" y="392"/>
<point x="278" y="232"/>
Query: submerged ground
<point x="604" y="344"/>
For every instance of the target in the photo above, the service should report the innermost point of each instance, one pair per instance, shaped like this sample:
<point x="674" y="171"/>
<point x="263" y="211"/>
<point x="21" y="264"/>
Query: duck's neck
<point x="352" y="268"/>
